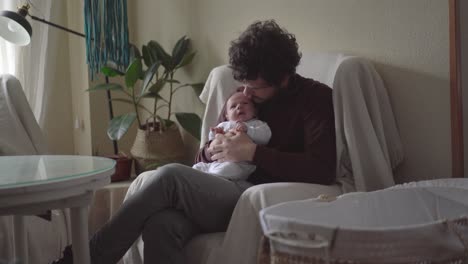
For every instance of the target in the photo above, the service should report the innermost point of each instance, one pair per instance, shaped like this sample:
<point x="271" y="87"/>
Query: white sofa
<point x="368" y="149"/>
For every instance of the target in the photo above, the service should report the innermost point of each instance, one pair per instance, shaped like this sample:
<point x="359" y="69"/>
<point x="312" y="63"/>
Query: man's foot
<point x="67" y="257"/>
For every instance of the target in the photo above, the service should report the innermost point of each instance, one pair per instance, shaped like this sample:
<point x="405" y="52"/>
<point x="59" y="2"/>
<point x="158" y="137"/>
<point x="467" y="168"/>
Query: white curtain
<point x="7" y="50"/>
<point x="29" y="63"/>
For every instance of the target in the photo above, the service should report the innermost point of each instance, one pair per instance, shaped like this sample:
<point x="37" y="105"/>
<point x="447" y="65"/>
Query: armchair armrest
<point x="242" y="238"/>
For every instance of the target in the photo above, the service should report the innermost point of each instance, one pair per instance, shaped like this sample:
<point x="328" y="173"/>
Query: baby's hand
<point x="217" y="130"/>
<point x="241" y="127"/>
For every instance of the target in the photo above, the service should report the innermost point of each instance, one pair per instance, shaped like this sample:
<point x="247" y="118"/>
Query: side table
<point x="31" y="185"/>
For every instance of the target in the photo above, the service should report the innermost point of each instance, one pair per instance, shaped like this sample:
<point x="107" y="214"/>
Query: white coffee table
<point x="31" y="185"/>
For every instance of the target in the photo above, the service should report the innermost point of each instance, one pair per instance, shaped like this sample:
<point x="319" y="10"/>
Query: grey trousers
<point x="177" y="203"/>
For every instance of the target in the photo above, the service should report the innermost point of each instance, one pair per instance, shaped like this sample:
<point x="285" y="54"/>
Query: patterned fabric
<point x="106" y="30"/>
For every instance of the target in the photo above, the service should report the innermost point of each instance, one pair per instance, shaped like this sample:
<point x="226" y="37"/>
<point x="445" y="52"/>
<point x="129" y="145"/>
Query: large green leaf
<point x="133" y="72"/>
<point x="153" y="95"/>
<point x="179" y="50"/>
<point x="134" y="52"/>
<point x="190" y="122"/>
<point x="149" y="74"/>
<point x="148" y="56"/>
<point x="162" y="55"/>
<point x="106" y="86"/>
<point x="119" y="125"/>
<point x="187" y="59"/>
<point x="111" y="72"/>
<point x="157" y="87"/>
<point x="153" y="53"/>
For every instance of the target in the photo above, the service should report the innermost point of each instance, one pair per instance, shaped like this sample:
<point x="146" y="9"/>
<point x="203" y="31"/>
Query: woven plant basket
<point x="154" y="147"/>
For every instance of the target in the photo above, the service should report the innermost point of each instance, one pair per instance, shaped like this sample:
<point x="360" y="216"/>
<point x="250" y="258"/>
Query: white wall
<point x="408" y="42"/>
<point x="78" y="81"/>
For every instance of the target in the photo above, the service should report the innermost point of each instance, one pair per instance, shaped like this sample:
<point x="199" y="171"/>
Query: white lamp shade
<point x="15" y="28"/>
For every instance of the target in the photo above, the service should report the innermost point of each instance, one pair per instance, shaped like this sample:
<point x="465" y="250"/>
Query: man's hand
<point x="236" y="148"/>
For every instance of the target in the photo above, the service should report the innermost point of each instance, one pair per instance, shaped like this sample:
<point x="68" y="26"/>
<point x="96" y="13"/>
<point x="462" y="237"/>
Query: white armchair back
<point x="19" y="132"/>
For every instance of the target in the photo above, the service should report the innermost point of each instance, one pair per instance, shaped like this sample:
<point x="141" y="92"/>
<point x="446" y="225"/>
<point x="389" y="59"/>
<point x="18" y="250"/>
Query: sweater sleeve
<point x="203" y="155"/>
<point x="316" y="164"/>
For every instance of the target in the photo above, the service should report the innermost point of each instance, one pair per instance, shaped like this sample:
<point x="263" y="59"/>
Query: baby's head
<point x="239" y="108"/>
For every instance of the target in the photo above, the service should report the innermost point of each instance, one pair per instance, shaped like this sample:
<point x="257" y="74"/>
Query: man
<point x="177" y="202"/>
<point x="298" y="110"/>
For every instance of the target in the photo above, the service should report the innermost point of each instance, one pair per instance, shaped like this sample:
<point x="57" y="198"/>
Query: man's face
<point x="258" y="90"/>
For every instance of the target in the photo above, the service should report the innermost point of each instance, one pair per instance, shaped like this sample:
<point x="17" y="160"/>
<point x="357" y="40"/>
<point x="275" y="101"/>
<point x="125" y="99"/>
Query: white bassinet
<point x="406" y="225"/>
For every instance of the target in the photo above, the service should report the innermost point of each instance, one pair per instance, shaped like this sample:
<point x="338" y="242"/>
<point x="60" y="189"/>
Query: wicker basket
<point x="154" y="147"/>
<point x="415" y="225"/>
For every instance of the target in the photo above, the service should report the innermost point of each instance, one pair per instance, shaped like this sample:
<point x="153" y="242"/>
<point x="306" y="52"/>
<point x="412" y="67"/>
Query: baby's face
<point x="239" y="108"/>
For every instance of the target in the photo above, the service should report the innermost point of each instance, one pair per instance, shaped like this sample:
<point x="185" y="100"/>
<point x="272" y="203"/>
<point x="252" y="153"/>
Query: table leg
<point x="79" y="229"/>
<point x="21" y="243"/>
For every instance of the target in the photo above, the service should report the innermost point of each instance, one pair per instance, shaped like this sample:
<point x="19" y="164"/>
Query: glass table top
<point x="18" y="171"/>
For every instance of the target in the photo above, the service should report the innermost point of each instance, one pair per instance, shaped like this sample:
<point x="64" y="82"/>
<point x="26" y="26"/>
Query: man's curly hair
<point x="264" y="50"/>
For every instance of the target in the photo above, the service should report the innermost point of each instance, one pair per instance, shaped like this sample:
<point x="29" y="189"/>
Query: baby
<point x="240" y="112"/>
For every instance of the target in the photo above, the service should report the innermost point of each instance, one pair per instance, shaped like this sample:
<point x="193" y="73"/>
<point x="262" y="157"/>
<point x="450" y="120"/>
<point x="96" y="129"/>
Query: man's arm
<point x="203" y="155"/>
<point x="317" y="164"/>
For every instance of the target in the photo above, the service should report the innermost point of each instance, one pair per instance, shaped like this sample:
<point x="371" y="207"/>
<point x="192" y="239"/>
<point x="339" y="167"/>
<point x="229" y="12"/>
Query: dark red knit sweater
<point x="302" y="147"/>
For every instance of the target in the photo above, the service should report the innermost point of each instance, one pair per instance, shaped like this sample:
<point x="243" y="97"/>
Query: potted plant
<point x="123" y="166"/>
<point x="152" y="71"/>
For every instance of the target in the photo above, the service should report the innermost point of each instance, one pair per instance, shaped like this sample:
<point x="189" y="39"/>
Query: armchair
<point x="368" y="149"/>
<point x="20" y="135"/>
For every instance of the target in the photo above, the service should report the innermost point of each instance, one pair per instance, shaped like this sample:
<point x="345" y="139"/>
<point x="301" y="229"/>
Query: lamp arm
<point x="57" y="26"/>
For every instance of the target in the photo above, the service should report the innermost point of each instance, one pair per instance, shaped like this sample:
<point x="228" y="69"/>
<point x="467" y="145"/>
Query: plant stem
<point x="170" y="97"/>
<point x="181" y="86"/>
<point x="135" y="105"/>
<point x="155" y="108"/>
<point x="111" y="116"/>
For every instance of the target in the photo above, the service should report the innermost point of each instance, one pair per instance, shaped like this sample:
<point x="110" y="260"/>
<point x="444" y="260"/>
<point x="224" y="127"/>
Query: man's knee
<point x="170" y="169"/>
<point x="168" y="172"/>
